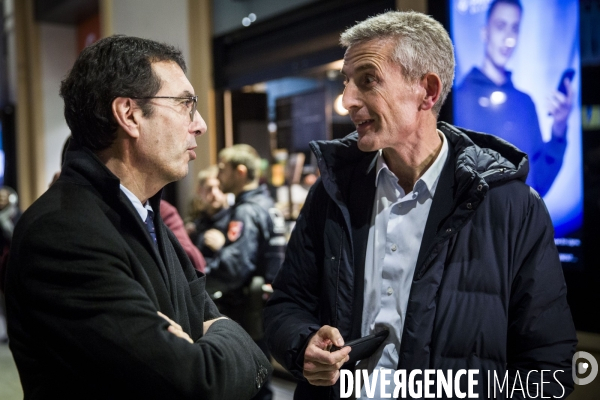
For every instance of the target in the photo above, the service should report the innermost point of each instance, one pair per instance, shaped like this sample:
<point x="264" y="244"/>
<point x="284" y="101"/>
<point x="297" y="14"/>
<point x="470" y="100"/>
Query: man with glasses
<point x="103" y="302"/>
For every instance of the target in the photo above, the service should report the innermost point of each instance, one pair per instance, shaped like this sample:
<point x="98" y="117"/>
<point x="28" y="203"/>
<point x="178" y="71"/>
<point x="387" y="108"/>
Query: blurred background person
<point x="211" y="214"/>
<point x="254" y="245"/>
<point x="173" y="220"/>
<point x="9" y="215"/>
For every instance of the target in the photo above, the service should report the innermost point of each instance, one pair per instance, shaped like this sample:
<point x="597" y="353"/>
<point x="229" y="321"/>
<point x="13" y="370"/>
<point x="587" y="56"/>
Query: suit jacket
<point x="84" y="284"/>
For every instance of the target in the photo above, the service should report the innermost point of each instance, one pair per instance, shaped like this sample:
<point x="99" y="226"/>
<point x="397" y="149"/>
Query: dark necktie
<point x="150" y="226"/>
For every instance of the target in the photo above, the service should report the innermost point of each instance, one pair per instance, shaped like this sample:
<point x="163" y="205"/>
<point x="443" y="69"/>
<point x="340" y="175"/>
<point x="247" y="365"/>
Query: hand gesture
<point x="214" y="239"/>
<point x="560" y="106"/>
<point x="321" y="367"/>
<point x="190" y="228"/>
<point x="176" y="329"/>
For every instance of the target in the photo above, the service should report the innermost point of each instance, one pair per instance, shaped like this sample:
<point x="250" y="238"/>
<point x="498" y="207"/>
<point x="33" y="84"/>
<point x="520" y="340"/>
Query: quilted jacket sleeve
<point x="541" y="334"/>
<point x="291" y="314"/>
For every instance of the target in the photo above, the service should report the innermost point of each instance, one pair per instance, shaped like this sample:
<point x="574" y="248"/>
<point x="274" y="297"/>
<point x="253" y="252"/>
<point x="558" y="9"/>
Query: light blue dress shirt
<point x="137" y="204"/>
<point x="395" y="236"/>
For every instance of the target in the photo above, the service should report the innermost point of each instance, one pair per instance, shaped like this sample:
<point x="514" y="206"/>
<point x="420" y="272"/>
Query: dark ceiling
<point x="68" y="12"/>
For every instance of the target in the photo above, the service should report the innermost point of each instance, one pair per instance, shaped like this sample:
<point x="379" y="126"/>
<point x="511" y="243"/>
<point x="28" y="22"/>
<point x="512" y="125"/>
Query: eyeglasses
<point x="193" y="99"/>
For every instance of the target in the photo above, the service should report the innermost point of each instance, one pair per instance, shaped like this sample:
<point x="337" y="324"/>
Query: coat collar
<point x="83" y="167"/>
<point x="487" y="156"/>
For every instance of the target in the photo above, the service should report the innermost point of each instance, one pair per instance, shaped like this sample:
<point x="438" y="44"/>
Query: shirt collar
<point x="137" y="204"/>
<point x="430" y="177"/>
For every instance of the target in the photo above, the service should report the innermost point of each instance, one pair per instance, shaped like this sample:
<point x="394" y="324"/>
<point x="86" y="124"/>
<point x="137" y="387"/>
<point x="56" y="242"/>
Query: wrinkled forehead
<point x="368" y="53"/>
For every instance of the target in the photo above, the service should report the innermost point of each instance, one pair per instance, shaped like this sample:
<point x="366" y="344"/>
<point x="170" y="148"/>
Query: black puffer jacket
<point x="488" y="291"/>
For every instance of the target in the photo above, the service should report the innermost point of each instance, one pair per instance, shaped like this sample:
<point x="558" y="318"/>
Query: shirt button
<point x="390" y="291"/>
<point x="394" y="247"/>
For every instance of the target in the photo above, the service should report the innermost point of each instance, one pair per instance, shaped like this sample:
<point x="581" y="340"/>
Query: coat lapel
<point x="360" y="207"/>
<point x="441" y="207"/>
<point x="140" y="235"/>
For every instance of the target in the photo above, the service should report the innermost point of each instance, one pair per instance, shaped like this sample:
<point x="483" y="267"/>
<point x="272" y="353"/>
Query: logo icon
<point x="584" y="364"/>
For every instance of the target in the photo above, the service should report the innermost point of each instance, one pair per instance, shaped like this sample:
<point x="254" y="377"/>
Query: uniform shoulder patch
<point x="234" y="230"/>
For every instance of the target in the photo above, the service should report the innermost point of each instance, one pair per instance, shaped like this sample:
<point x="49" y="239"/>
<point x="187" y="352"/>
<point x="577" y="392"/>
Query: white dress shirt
<point x="395" y="236"/>
<point x="137" y="204"/>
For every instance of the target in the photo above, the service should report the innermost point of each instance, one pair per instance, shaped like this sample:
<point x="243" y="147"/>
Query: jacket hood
<point x="479" y="156"/>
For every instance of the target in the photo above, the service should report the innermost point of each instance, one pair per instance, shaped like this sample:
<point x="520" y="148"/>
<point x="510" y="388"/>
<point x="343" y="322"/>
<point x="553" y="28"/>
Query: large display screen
<point x="518" y="77"/>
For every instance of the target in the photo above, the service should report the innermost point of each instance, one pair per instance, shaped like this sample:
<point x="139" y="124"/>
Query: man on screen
<point x="487" y="100"/>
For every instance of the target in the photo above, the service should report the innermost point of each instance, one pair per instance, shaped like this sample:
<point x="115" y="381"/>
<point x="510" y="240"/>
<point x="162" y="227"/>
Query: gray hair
<point x="422" y="45"/>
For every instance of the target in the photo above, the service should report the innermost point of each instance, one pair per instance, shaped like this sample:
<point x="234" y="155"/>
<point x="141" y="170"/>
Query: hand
<point x="214" y="239"/>
<point x="176" y="329"/>
<point x="190" y="228"/>
<point x="267" y="291"/>
<point x="560" y="106"/>
<point x="208" y="323"/>
<point x="321" y="367"/>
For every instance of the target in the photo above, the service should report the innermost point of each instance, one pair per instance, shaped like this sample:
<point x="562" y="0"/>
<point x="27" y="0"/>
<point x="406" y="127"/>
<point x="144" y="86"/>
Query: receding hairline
<point x="368" y="63"/>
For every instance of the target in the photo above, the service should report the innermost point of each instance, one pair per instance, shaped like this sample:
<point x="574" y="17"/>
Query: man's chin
<point x="366" y="145"/>
<point x="182" y="173"/>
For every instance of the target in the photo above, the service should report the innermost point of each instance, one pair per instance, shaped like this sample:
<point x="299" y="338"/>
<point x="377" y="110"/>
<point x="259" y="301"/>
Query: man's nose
<point x="351" y="96"/>
<point x="198" y="126"/>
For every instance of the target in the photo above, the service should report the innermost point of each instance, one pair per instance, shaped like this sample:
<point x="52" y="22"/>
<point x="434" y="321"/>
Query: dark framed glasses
<point x="193" y="99"/>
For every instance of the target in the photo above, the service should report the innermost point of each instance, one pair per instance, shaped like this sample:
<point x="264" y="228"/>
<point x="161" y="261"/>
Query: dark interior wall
<point x="584" y="286"/>
<point x="288" y="44"/>
<point x="249" y="114"/>
<point x="65" y="11"/>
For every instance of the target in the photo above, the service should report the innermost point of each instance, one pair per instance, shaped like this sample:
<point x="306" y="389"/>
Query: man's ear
<point x="127" y="114"/>
<point x="242" y="172"/>
<point x="433" y="88"/>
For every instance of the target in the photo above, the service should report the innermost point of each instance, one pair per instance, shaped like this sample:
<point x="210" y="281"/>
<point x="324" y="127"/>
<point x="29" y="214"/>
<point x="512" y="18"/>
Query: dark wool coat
<point x="84" y="284"/>
<point x="488" y="291"/>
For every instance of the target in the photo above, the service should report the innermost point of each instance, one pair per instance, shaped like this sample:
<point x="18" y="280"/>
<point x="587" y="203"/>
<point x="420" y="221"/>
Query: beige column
<point x="200" y="67"/>
<point x="412" y="5"/>
<point x="106" y="20"/>
<point x="29" y="117"/>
